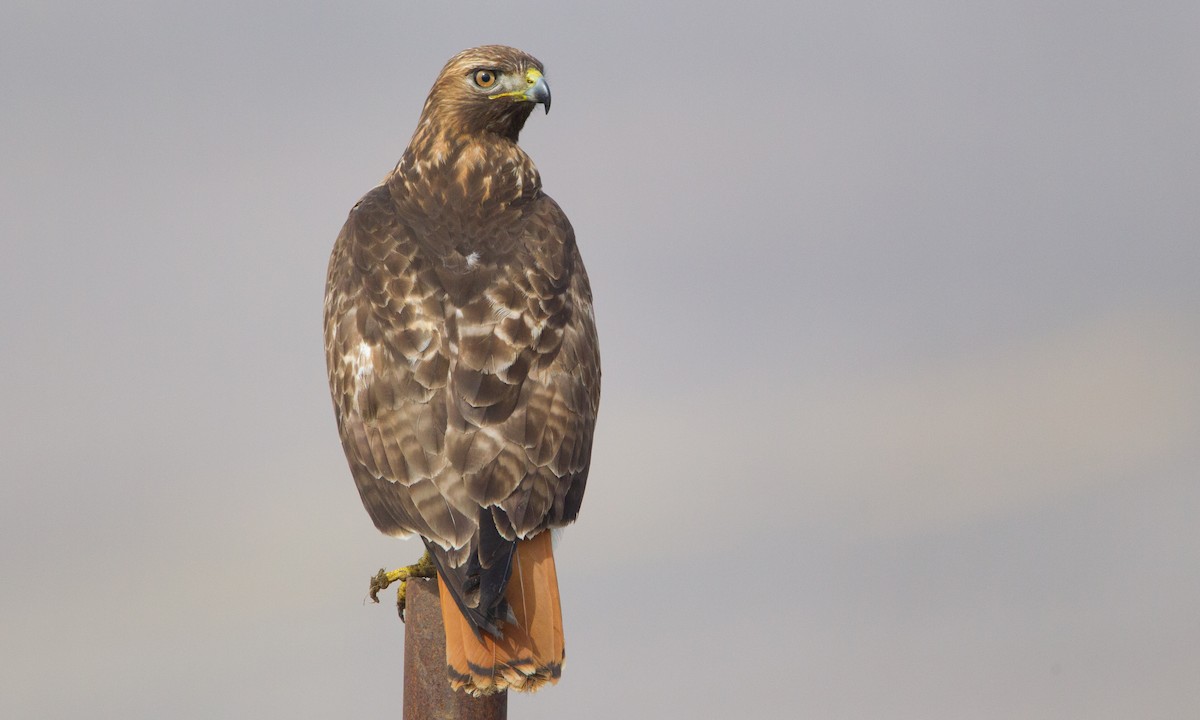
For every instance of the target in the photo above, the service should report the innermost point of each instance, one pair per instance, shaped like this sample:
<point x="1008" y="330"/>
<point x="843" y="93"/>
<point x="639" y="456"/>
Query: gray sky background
<point x="900" y="316"/>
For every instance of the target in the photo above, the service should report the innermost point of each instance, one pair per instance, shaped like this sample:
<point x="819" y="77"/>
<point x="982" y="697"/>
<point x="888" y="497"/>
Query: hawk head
<point x="487" y="89"/>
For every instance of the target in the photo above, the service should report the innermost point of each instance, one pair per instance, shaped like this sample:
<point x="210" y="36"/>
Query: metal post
<point x="427" y="693"/>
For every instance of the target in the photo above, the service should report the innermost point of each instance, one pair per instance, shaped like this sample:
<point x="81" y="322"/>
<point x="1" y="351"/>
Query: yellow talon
<point x="423" y="568"/>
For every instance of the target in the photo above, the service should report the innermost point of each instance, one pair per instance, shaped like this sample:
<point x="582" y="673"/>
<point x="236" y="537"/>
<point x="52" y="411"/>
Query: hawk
<point x="464" y="366"/>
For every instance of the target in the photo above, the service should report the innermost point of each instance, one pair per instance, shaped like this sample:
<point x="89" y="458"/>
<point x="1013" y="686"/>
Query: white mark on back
<point x="361" y="362"/>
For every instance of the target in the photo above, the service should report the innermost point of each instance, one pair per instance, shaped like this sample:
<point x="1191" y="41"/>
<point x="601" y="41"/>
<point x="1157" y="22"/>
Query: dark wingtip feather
<point x="478" y="586"/>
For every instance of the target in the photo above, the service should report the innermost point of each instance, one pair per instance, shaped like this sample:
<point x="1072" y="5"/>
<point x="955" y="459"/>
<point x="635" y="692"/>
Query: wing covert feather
<point x="452" y="399"/>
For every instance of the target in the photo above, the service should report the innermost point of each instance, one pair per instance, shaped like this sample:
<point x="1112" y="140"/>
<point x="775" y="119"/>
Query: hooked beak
<point x="535" y="91"/>
<point x="538" y="91"/>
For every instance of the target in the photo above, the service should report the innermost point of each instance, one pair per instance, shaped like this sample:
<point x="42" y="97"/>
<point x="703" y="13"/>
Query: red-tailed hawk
<point x="464" y="366"/>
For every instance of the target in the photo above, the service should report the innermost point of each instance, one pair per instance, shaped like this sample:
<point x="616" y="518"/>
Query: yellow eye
<point x="485" y="78"/>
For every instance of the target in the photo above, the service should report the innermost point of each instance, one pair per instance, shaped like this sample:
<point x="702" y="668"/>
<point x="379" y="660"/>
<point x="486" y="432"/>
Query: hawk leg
<point x="423" y="568"/>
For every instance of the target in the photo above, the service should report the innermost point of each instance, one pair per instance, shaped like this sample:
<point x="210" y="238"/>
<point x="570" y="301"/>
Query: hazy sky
<point x="899" y="308"/>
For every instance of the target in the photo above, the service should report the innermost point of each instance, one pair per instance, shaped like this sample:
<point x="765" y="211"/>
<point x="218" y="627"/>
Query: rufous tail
<point x="530" y="653"/>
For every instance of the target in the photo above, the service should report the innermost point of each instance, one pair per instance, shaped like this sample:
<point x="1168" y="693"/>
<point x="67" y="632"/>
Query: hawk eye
<point x="485" y="78"/>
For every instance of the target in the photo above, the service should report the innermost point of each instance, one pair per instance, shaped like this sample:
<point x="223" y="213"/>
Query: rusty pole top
<point x="427" y="693"/>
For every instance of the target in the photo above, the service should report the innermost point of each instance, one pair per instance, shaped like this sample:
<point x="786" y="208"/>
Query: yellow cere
<point x="531" y="77"/>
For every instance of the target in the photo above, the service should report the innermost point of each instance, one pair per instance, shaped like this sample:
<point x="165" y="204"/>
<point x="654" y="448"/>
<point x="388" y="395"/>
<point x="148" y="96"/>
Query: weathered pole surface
<point x="427" y="693"/>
